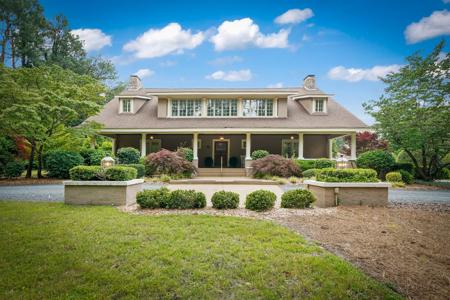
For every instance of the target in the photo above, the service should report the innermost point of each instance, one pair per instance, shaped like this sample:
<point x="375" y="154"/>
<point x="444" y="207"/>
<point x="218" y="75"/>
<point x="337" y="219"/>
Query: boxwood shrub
<point x="13" y="169"/>
<point x="304" y="164"/>
<point x="93" y="157"/>
<point x="297" y="199"/>
<point x="153" y="198"/>
<point x="260" y="200"/>
<point x="225" y="200"/>
<point x="128" y="155"/>
<point x="257" y="154"/>
<point x="394" y="177"/>
<point x="346" y="175"/>
<point x="324" y="163"/>
<point x="140" y="168"/>
<point x="185" y="199"/>
<point x="120" y="173"/>
<point x="378" y="160"/>
<point x="60" y="162"/>
<point x="86" y="173"/>
<point x="309" y="173"/>
<point x="407" y="177"/>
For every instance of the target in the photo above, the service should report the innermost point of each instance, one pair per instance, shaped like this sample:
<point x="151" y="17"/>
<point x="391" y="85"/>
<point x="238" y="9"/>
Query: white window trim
<point x="121" y="106"/>
<point x="324" y="105"/>
<point x="202" y="104"/>
<point x="243" y="144"/>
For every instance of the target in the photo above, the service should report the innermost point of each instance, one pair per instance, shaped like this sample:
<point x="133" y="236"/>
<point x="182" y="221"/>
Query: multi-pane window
<point x="257" y="108"/>
<point x="222" y="107"/>
<point x="319" y="106"/>
<point x="187" y="108"/>
<point x="126" y="105"/>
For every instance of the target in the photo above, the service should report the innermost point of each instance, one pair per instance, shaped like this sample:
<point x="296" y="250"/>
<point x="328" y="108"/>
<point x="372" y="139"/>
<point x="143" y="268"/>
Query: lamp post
<point x="341" y="162"/>
<point x="107" y="162"/>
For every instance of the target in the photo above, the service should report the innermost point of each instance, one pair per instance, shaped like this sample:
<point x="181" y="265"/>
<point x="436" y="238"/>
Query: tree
<point x="365" y="141"/>
<point x="413" y="114"/>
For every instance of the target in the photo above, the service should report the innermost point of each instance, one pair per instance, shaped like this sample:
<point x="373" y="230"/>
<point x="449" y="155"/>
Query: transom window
<point x="319" y="105"/>
<point x="222" y="107"/>
<point x="257" y="107"/>
<point x="126" y="105"/>
<point x="187" y="108"/>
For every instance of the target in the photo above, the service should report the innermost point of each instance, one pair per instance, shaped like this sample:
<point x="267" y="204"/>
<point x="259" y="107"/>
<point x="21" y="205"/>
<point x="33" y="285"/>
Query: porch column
<point x="330" y="148"/>
<point x="353" y="147"/>
<point x="113" y="146"/>
<point x="195" y="149"/>
<point x="248" y="157"/>
<point x="300" y="146"/>
<point x="143" y="144"/>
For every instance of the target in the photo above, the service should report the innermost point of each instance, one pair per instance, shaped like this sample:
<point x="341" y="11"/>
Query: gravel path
<point x="55" y="193"/>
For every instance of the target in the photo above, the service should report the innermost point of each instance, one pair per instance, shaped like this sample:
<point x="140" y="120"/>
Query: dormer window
<point x="319" y="105"/>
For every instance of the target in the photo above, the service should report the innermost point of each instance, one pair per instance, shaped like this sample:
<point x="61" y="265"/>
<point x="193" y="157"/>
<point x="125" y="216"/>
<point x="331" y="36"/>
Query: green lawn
<point x="58" y="251"/>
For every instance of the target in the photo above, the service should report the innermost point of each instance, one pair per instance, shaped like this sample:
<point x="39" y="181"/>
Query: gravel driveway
<point x="55" y="193"/>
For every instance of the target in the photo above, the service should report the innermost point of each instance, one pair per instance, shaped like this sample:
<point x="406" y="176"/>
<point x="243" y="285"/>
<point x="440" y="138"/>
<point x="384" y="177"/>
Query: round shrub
<point x="407" y="177"/>
<point x="378" y="160"/>
<point x="185" y="199"/>
<point x="60" y="162"/>
<point x="309" y="173"/>
<point x="275" y="165"/>
<point x="225" y="200"/>
<point x="13" y="169"/>
<point x="323" y="163"/>
<point x="120" y="173"/>
<point x="444" y="173"/>
<point x="186" y="153"/>
<point x="260" y="200"/>
<point x="86" y="173"/>
<point x="93" y="157"/>
<point x="153" y="198"/>
<point x="128" y="155"/>
<point x="305" y="164"/>
<point x="140" y="168"/>
<point x="394" y="177"/>
<point x="257" y="154"/>
<point x="297" y="199"/>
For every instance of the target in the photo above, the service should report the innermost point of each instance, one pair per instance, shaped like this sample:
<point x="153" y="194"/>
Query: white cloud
<point x="241" y="75"/>
<point x="438" y="23"/>
<point x="227" y="60"/>
<point x="353" y="74"/>
<point x="446" y="1"/>
<point x="167" y="63"/>
<point x="239" y="34"/>
<point x="294" y="16"/>
<point x="276" y="85"/>
<point x="92" y="39"/>
<point x="167" y="40"/>
<point x="142" y="73"/>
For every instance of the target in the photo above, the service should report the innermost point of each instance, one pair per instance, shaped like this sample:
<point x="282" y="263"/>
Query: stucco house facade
<point x="224" y="126"/>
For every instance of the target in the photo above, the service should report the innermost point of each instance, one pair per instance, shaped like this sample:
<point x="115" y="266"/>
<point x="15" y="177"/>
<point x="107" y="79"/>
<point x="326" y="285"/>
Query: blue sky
<point x="346" y="44"/>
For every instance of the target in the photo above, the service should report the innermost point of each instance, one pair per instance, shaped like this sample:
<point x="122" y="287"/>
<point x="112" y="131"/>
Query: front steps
<point x="225" y="172"/>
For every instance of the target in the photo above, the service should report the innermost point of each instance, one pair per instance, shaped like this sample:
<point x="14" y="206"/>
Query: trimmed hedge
<point x="305" y="164"/>
<point x="128" y="155"/>
<point x="407" y="177"/>
<point x="309" y="173"/>
<point x="346" y="175"/>
<point x="323" y="163"/>
<point x="120" y="173"/>
<point x="86" y="173"/>
<point x="297" y="199"/>
<point x="225" y="200"/>
<point x="257" y="154"/>
<point x="13" y="169"/>
<point x="260" y="200"/>
<point x="394" y="177"/>
<point x="60" y="162"/>
<point x="378" y="160"/>
<point x="140" y="168"/>
<point x="153" y="198"/>
<point x="186" y="199"/>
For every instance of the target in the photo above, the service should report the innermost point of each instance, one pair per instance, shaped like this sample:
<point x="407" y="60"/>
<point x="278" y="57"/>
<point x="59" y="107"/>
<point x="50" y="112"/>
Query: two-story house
<point x="224" y="126"/>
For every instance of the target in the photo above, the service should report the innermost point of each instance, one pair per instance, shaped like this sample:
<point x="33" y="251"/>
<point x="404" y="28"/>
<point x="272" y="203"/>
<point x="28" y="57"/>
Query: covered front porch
<point x="233" y="149"/>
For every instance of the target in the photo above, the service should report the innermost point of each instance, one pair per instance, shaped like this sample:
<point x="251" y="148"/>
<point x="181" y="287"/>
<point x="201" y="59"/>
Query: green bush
<point x="93" y="157"/>
<point x="225" y="200"/>
<point x="120" y="173"/>
<point x="13" y="169"/>
<point x="346" y="175"/>
<point x="86" y="173"/>
<point x="128" y="155"/>
<point x="324" y="163"/>
<point x="394" y="177"/>
<point x="378" y="160"/>
<point x="185" y="199"/>
<point x="260" y="200"/>
<point x="407" y="177"/>
<point x="153" y="198"/>
<point x="309" y="173"/>
<point x="186" y="153"/>
<point x="444" y="173"/>
<point x="60" y="162"/>
<point x="408" y="167"/>
<point x="304" y="164"/>
<point x="139" y="168"/>
<point x="257" y="154"/>
<point x="297" y="199"/>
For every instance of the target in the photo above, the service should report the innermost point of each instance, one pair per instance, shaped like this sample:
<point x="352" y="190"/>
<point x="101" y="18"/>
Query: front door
<point x="220" y="153"/>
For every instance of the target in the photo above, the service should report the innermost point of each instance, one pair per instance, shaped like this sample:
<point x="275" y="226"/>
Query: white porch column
<point x="300" y="146"/>
<point x="330" y="148"/>
<point x="143" y="144"/>
<point x="195" y="149"/>
<point x="113" y="147"/>
<point x="353" y="147"/>
<point x="248" y="147"/>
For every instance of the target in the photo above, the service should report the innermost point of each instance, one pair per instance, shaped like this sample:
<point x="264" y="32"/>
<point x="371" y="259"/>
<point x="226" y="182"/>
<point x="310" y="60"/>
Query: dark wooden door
<point x="220" y="153"/>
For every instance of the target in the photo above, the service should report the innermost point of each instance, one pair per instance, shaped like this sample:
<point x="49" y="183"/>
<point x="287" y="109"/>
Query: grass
<point x="443" y="184"/>
<point x="52" y="250"/>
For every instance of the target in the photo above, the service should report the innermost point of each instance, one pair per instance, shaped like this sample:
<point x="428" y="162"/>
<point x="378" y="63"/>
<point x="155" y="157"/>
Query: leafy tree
<point x="365" y="141"/>
<point x="413" y="114"/>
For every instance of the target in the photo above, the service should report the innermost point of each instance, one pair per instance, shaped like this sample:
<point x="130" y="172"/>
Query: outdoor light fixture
<point x="221" y="138"/>
<point x="292" y="137"/>
<point x="341" y="162"/>
<point x="107" y="162"/>
<point x="151" y="137"/>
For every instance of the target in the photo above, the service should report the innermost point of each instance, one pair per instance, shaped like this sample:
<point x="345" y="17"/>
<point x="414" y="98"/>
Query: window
<point x="222" y="108"/>
<point x="319" y="105"/>
<point x="243" y="144"/>
<point x="126" y="105"/>
<point x="257" y="108"/>
<point x="186" y="108"/>
<point x="289" y="148"/>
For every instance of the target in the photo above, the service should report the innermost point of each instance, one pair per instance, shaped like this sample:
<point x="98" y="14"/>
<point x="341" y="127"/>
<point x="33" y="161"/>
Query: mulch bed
<point x="29" y="181"/>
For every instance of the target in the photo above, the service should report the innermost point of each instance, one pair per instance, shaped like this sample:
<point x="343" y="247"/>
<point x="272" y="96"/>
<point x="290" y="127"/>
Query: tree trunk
<point x="31" y="160"/>
<point x="13" y="53"/>
<point x="5" y="39"/>
<point x="39" y="156"/>
<point x="416" y="164"/>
